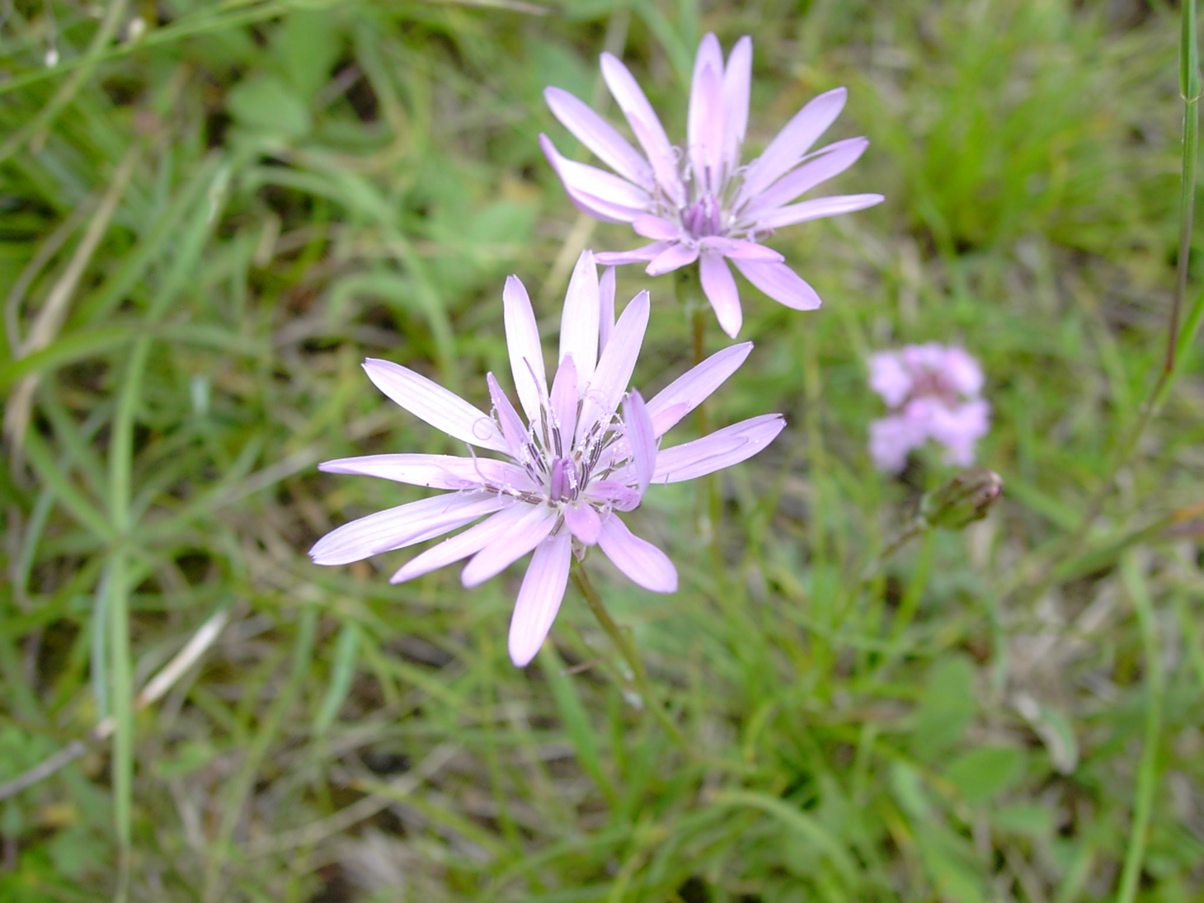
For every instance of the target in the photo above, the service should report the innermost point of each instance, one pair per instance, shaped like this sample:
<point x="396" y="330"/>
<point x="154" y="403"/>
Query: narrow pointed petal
<point x="523" y="536"/>
<point x="737" y="78"/>
<point x="606" y="307"/>
<point x="817" y="209"/>
<point x="792" y="143"/>
<point x="600" y="136"/>
<point x="583" y="521"/>
<point x="780" y="282"/>
<point x="821" y="166"/>
<point x="432" y="471"/>
<point x="673" y="257"/>
<point x="463" y="544"/>
<point x="651" y="226"/>
<point x="539" y="598"/>
<point x="705" y="139"/>
<point x="641" y="437"/>
<point x="616" y="363"/>
<point x="646" y="125"/>
<point x="637" y="255"/>
<point x="526" y="353"/>
<point x="430" y="402"/>
<point x="719" y="286"/>
<point x="564" y="403"/>
<point x="512" y="424"/>
<point x="617" y="495"/>
<point x="396" y="528"/>
<point x="693" y="387"/>
<point x="720" y="449"/>
<point x="597" y="192"/>
<point x="640" y="560"/>
<point x="739" y="248"/>
<point x="579" y="322"/>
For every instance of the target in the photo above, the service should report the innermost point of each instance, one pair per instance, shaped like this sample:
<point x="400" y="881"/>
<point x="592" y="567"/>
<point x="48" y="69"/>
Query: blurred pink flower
<point x="934" y="390"/>
<point x="700" y="203"/>
<point x="587" y="452"/>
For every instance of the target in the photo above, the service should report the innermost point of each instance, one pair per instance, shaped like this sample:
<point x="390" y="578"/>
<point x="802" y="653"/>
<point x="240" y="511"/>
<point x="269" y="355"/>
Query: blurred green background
<point x="211" y="212"/>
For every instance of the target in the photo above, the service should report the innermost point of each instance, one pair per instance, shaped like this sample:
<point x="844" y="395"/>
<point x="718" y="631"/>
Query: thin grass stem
<point x="1147" y="775"/>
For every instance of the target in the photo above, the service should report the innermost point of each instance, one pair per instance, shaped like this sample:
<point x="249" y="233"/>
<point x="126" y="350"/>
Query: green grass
<point x="209" y="220"/>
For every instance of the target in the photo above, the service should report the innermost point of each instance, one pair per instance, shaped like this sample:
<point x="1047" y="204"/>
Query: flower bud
<point x="962" y="500"/>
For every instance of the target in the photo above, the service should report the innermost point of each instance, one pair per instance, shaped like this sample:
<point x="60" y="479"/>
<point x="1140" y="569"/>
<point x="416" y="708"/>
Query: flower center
<point x="933" y="384"/>
<point x="562" y="481"/>
<point x="704" y="217"/>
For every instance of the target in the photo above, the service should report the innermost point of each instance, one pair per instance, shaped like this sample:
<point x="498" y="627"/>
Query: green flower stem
<point x="689" y="292"/>
<point x="623" y="641"/>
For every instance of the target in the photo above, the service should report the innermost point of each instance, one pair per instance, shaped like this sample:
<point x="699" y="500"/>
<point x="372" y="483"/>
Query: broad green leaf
<point x="947" y="707"/>
<point x="266" y="105"/>
<point x="982" y="774"/>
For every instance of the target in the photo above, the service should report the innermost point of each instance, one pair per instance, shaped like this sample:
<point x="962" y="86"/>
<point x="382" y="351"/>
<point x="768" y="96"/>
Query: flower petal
<point x="641" y="439"/>
<point x="430" y="402"/>
<point x="889" y="378"/>
<point x="691" y="388"/>
<point x="719" y="286"/>
<point x="523" y="536"/>
<point x="606" y="307"/>
<point x="892" y="439"/>
<point x="738" y="248"/>
<point x="396" y="528"/>
<point x="780" y="282"/>
<point x="705" y="138"/>
<point x="646" y="125"/>
<point x="432" y="471"/>
<point x="463" y="544"/>
<point x="821" y="166"/>
<point x="597" y="192"/>
<point x="673" y="257"/>
<point x="737" y="78"/>
<point x="720" y="449"/>
<point x="582" y="519"/>
<point x="637" y="255"/>
<point x="579" y="322"/>
<point x="539" y="598"/>
<point x="564" y="405"/>
<point x="959" y="427"/>
<point x="640" y="560"/>
<point x="616" y="364"/>
<point x="817" y="209"/>
<point x="651" y="226"/>
<point x="792" y="143"/>
<point x="600" y="136"/>
<point x="512" y="424"/>
<point x="526" y="353"/>
<point x="962" y="371"/>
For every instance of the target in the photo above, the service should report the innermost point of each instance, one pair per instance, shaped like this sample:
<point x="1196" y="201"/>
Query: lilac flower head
<point x="933" y="390"/>
<point x="700" y="203"/>
<point x="586" y="452"/>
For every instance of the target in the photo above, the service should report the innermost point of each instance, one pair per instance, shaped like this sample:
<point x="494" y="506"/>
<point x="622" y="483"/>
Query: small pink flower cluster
<point x="933" y="392"/>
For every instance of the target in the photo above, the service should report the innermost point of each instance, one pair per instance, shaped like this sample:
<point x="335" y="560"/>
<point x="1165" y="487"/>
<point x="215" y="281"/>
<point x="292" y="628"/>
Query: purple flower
<point x="933" y="390"/>
<point x="700" y="203"/>
<point x="588" y="451"/>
